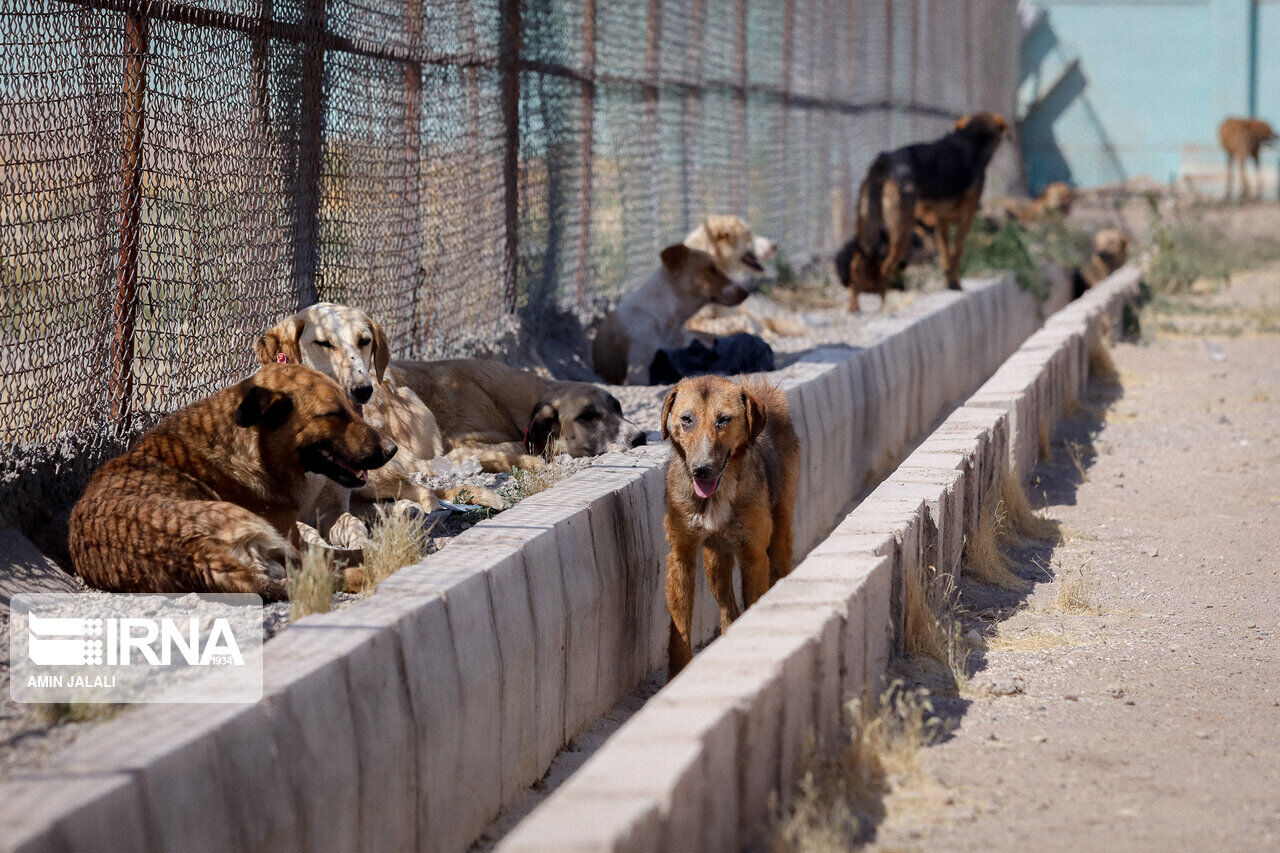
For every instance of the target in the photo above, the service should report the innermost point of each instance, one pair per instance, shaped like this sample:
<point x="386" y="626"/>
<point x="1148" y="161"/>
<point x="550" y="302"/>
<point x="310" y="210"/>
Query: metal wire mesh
<point x="177" y="176"/>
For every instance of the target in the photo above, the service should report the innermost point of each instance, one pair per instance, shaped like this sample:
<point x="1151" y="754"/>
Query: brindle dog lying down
<point x="207" y="500"/>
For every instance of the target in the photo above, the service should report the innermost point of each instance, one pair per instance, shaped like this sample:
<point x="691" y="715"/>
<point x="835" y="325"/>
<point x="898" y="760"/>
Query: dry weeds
<point x="1021" y="520"/>
<point x="841" y="798"/>
<point x="1075" y="452"/>
<point x="1030" y="641"/>
<point x="56" y="713"/>
<point x="1101" y="366"/>
<point x="983" y="559"/>
<point x="311" y="583"/>
<point x="1075" y="590"/>
<point x="396" y="540"/>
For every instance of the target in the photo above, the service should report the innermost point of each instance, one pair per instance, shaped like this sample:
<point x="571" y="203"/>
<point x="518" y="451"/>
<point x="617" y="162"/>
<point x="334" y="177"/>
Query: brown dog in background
<point x="208" y="499"/>
<point x="1243" y="138"/>
<point x="939" y="183"/>
<point x="731" y="491"/>
<point x="1110" y="252"/>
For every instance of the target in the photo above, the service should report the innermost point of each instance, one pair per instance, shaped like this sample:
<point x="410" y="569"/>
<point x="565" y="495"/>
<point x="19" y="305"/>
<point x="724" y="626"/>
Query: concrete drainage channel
<point x="694" y="769"/>
<point x="413" y="718"/>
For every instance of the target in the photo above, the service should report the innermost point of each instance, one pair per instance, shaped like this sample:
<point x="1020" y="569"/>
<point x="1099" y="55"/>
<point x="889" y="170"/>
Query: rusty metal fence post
<point x="306" y="196"/>
<point x="125" y="311"/>
<point x="413" y="163"/>
<point x="737" y="145"/>
<point x="509" y="48"/>
<point x="587" y="141"/>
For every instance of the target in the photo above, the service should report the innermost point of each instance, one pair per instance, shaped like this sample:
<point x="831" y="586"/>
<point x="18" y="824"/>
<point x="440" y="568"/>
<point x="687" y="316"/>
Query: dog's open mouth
<point x="336" y="468"/>
<point x="751" y="262"/>
<point x="705" y="487"/>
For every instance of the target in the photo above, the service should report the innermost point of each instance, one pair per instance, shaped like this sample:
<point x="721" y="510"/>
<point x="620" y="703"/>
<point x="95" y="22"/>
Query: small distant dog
<point x="1110" y="252"/>
<point x="208" y="500"/>
<point x="1243" y="138"/>
<point x="937" y="182"/>
<point x="1055" y="199"/>
<point x="694" y="273"/>
<point x="346" y="345"/>
<point x="512" y="418"/>
<point x="731" y="491"/>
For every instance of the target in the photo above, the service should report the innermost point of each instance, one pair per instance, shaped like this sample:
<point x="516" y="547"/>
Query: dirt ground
<point x="1146" y="717"/>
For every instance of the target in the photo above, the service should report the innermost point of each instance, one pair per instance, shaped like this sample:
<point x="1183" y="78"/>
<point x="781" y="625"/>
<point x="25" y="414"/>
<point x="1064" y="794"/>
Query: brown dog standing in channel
<point x="731" y="491"/>
<point x="1242" y="139"/>
<point x="208" y="499"/>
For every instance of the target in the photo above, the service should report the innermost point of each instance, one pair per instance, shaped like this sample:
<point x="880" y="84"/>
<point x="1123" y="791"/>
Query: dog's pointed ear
<point x="381" y="350"/>
<point x="263" y="406"/>
<point x="281" y="339"/>
<point x="675" y="256"/>
<point x="544" y="426"/>
<point x="757" y="415"/>
<point x="667" y="403"/>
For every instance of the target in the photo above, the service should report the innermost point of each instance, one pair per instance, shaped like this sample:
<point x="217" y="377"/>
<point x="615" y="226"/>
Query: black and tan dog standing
<point x="731" y="492"/>
<point x="939" y="183"/>
<point x="208" y="499"/>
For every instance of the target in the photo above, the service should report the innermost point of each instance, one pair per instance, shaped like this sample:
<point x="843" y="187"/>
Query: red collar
<point x="281" y="358"/>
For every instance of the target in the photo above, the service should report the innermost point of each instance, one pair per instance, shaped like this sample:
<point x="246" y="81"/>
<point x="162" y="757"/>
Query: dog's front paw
<point x="407" y="509"/>
<point x="348" y="532"/>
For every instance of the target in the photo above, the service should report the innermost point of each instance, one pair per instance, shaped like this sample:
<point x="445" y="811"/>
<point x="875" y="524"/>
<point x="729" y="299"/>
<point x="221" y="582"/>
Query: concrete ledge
<point x="411" y="719"/>
<point x="697" y="767"/>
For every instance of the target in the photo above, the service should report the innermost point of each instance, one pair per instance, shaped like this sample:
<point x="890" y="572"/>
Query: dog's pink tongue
<point x="705" y="487"/>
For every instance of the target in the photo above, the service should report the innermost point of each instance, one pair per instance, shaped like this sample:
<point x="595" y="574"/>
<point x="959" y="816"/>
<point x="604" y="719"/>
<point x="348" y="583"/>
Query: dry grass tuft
<point x="841" y="798"/>
<point x="983" y="559"/>
<point x="1075" y="452"/>
<point x="528" y="483"/>
<point x="396" y="540"/>
<point x="57" y="713"/>
<point x="1075" y="590"/>
<point x="1101" y="366"/>
<point x="1043" y="439"/>
<point x="1020" y="519"/>
<point x="311" y="583"/>
<point x="1029" y="641"/>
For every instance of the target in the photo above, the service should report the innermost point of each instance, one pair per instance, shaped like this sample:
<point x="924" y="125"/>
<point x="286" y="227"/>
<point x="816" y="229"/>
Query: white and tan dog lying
<point x="512" y="418"/>
<point x="346" y="345"/>
<point x="693" y="274"/>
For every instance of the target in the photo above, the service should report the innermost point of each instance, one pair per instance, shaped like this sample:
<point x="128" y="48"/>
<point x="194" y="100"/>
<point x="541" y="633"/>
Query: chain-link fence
<point x="177" y="176"/>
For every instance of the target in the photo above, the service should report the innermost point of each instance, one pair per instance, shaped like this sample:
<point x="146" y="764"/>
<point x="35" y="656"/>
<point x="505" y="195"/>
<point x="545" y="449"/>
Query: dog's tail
<point x="870" y="237"/>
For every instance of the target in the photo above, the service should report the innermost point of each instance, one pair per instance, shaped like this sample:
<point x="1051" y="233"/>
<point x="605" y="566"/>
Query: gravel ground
<point x="1147" y="720"/>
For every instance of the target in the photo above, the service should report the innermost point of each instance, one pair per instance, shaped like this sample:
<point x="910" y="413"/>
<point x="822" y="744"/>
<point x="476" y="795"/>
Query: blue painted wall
<point x="1121" y="89"/>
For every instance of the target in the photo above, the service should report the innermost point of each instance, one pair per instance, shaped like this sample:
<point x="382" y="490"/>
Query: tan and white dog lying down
<point x="693" y="274"/>
<point x="346" y="345"/>
<point x="512" y="418"/>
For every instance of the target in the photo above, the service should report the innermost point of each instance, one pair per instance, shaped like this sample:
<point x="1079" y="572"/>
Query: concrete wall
<point x="410" y="719"/>
<point x="1139" y="88"/>
<point x="696" y="768"/>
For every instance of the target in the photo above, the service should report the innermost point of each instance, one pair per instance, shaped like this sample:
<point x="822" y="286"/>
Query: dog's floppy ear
<point x="757" y="416"/>
<point x="544" y="425"/>
<point x="263" y="406"/>
<point x="281" y="339"/>
<point x="381" y="351"/>
<point x="667" y="403"/>
<point x="675" y="256"/>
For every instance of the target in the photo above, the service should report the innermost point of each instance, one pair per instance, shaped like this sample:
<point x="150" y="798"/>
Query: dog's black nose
<point x="362" y="393"/>
<point x="701" y="471"/>
<point x="639" y="439"/>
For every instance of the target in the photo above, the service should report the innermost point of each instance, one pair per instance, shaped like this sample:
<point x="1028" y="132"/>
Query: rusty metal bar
<point x="510" y="42"/>
<point x="737" y="147"/>
<point x="125" y="312"/>
<point x="587" y="141"/>
<point x="691" y="114"/>
<point x="307" y="166"/>
<point x="418" y="331"/>
<point x="788" y="53"/>
<point x="652" y="50"/>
